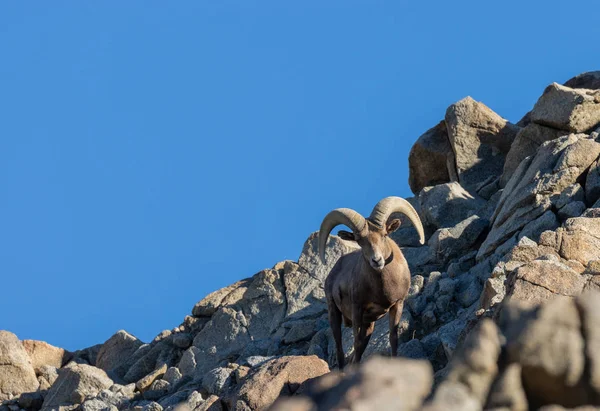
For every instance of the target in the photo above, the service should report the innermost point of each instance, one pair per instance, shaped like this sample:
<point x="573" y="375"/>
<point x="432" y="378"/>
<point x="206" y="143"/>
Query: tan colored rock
<point x="145" y="383"/>
<point x="394" y="384"/>
<point x="580" y="239"/>
<point x="540" y="280"/>
<point x="507" y="391"/>
<point x="75" y="382"/>
<point x="575" y="110"/>
<point x="280" y="376"/>
<point x="430" y="159"/>
<point x="480" y="140"/>
<point x="589" y="308"/>
<point x="42" y="353"/>
<point x="16" y="372"/>
<point x="547" y="342"/>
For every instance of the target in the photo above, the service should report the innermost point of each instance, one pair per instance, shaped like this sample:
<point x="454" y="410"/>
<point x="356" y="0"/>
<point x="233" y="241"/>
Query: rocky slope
<point x="498" y="315"/>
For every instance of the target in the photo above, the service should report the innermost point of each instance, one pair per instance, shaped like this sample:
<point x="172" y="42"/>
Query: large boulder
<point x="565" y="108"/>
<point x="431" y="160"/>
<point x="76" y="382"/>
<point x="117" y="350"/>
<point x="378" y="384"/>
<point x="42" y="353"/>
<point x="280" y="376"/>
<point x="480" y="140"/>
<point x="16" y="371"/>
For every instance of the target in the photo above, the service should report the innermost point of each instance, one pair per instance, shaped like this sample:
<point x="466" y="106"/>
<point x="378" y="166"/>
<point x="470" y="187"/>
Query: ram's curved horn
<point x="389" y="205"/>
<point x="345" y="216"/>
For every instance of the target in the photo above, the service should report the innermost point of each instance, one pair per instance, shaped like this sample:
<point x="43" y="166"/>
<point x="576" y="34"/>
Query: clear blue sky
<point x="150" y="154"/>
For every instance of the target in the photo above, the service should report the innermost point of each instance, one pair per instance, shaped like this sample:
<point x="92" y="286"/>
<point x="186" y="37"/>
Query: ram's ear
<point x="393" y="225"/>
<point x="346" y="235"/>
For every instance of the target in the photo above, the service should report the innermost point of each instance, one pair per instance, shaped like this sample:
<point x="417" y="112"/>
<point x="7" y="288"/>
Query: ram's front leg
<point x="395" y="315"/>
<point x="360" y="330"/>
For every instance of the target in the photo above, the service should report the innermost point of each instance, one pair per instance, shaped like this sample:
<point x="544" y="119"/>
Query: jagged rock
<point x="589" y="80"/>
<point x="16" y="372"/>
<point x="281" y="376"/>
<point x="251" y="313"/>
<point x="493" y="292"/>
<point x="564" y="108"/>
<point x="526" y="143"/>
<point x="557" y="165"/>
<point x="480" y="139"/>
<point x="148" y="358"/>
<point x="536" y="227"/>
<point x="448" y="243"/>
<point x="335" y="248"/>
<point x="574" y="209"/>
<point x="431" y="160"/>
<point x="446" y="205"/>
<point x="304" y="293"/>
<point x="74" y="383"/>
<point x="116" y="351"/>
<point x="217" y="380"/>
<point x="42" y="353"/>
<point x="378" y="384"/>
<point x="572" y="193"/>
<point x="209" y="304"/>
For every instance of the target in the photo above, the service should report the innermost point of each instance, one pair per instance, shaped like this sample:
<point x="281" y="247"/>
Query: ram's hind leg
<point x="335" y="322"/>
<point x="395" y="315"/>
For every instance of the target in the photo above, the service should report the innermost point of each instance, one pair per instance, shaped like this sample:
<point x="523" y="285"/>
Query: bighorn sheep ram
<point x="367" y="283"/>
